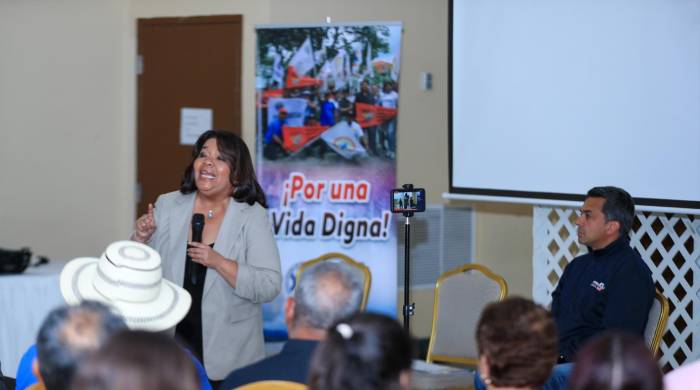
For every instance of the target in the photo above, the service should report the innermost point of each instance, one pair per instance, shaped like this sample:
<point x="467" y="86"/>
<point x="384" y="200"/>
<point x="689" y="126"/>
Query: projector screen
<point x="549" y="98"/>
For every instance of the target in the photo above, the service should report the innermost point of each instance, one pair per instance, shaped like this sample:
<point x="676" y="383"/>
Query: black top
<point x="291" y="364"/>
<point x="189" y="330"/>
<point x="609" y="288"/>
<point x="364" y="97"/>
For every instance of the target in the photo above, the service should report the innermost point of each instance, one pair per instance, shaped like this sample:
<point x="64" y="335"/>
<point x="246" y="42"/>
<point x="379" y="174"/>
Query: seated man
<point x="610" y="287"/>
<point x="66" y="337"/>
<point x="325" y="293"/>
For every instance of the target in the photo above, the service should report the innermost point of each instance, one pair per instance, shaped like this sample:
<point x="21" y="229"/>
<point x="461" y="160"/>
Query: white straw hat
<point x="128" y="277"/>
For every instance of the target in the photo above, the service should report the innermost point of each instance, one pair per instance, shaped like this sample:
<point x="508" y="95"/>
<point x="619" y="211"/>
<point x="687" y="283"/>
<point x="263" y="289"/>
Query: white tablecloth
<point x="25" y="300"/>
<point x="437" y="376"/>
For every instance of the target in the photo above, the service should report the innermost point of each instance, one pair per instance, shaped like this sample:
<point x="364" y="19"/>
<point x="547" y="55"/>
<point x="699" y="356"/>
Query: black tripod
<point x="408" y="308"/>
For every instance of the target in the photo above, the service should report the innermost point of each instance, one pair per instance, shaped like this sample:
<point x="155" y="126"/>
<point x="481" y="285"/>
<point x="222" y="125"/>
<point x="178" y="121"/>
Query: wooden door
<point x="192" y="62"/>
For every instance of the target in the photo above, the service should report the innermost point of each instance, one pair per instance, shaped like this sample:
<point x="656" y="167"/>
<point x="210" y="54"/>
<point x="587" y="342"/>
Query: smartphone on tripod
<point x="405" y="201"/>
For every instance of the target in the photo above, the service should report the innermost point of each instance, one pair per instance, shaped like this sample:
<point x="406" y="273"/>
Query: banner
<point x="328" y="181"/>
<point x="295" y="107"/>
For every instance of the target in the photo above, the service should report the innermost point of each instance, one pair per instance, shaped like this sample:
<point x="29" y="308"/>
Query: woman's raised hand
<point x="145" y="226"/>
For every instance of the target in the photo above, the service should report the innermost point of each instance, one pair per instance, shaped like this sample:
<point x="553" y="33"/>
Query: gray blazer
<point x="232" y="334"/>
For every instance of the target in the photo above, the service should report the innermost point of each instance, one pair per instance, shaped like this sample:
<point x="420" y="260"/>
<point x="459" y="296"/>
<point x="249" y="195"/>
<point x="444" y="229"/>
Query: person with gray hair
<point x="66" y="337"/>
<point x="325" y="293"/>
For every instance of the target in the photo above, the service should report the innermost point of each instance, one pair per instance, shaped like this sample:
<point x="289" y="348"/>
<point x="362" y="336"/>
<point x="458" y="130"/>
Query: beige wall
<point x="66" y="163"/>
<point x="67" y="115"/>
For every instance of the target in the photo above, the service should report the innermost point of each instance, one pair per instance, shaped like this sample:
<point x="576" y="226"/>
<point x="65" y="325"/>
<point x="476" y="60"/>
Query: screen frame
<point x="530" y="197"/>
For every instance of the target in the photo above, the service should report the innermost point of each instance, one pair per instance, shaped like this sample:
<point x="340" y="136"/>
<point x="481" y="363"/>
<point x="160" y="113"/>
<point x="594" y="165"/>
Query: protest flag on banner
<point x="356" y="59"/>
<point x="368" y="115"/>
<point x="277" y="70"/>
<point x="270" y="94"/>
<point x="296" y="81"/>
<point x="344" y="141"/>
<point x="337" y="67"/>
<point x="295" y="138"/>
<point x="326" y="71"/>
<point x="368" y="62"/>
<point x="303" y="59"/>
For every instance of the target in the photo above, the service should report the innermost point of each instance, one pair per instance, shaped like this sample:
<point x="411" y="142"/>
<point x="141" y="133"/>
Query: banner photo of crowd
<point x="327" y="105"/>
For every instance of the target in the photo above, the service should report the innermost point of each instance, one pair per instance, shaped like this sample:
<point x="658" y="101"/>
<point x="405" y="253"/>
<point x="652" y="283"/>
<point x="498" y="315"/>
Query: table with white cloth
<point x="431" y="376"/>
<point x="25" y="300"/>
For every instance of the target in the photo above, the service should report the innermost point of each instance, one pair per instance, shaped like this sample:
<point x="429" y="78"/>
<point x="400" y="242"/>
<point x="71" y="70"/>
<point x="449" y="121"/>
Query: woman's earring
<point x="485" y="379"/>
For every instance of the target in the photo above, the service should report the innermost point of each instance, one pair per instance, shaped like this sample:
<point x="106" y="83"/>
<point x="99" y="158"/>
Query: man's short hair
<point x="325" y="293"/>
<point x="67" y="335"/>
<point x="618" y="206"/>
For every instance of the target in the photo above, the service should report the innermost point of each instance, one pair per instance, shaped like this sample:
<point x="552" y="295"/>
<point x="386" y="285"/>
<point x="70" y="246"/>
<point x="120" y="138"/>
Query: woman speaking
<point x="236" y="266"/>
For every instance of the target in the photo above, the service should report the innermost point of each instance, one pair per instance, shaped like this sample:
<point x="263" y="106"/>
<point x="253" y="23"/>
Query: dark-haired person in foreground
<point x="325" y="293"/>
<point x="517" y="344"/>
<point x="236" y="267"/>
<point x="614" y="361"/>
<point x="364" y="351"/>
<point x="138" y="360"/>
<point x="66" y="337"/>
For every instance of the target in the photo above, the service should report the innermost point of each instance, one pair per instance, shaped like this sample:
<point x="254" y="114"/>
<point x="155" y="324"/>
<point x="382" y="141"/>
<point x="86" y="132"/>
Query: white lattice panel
<point x="670" y="245"/>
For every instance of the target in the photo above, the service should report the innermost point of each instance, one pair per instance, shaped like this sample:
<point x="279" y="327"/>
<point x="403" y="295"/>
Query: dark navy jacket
<point x="291" y="364"/>
<point x="610" y="288"/>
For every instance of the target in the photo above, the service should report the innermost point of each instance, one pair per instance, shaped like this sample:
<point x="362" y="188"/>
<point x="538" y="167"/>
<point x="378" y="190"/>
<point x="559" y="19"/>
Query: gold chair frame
<point x="348" y="260"/>
<point x="660" y="328"/>
<point x="503" y="287"/>
<point x="273" y="385"/>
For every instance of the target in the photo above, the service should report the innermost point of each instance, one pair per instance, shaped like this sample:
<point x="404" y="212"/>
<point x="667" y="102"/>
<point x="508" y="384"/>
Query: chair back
<point x="273" y="385"/>
<point x="656" y="322"/>
<point x="460" y="296"/>
<point x="361" y="270"/>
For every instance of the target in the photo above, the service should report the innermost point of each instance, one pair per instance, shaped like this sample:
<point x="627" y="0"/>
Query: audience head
<point x="67" y="335"/>
<point x="138" y="360"/>
<point x="517" y="344"/>
<point x="364" y="351"/>
<point x="325" y="292"/>
<point x="607" y="213"/>
<point x="237" y="156"/>
<point x="615" y="361"/>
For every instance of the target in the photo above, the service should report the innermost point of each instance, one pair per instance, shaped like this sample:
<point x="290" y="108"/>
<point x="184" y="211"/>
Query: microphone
<point x="197" y="228"/>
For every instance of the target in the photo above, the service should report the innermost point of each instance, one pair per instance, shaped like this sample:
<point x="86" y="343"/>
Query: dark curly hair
<point x="615" y="361"/>
<point x="235" y="152"/>
<point x="519" y="340"/>
<point x="368" y="351"/>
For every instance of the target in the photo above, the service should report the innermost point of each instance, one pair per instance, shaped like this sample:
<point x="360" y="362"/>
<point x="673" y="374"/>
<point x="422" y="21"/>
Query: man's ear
<point x="289" y="307"/>
<point x="613" y="227"/>
<point x="35" y="370"/>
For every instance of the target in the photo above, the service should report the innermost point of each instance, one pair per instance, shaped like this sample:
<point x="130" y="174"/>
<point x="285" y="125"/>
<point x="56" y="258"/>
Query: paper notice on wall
<point x="194" y="122"/>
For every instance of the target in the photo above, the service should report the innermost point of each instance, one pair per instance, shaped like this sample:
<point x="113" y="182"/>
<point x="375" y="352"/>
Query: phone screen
<point x="403" y="201"/>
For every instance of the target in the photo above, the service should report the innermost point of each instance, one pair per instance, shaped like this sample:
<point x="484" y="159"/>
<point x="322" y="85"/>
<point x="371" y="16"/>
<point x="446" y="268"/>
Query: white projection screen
<point x="549" y="98"/>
